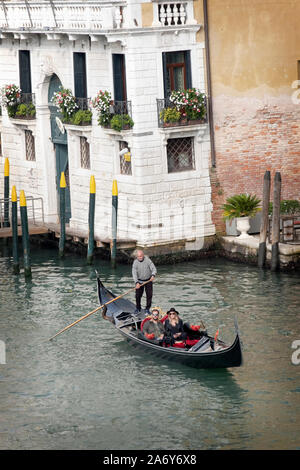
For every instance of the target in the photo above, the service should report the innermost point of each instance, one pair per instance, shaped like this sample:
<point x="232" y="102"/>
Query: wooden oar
<point x="96" y="310"/>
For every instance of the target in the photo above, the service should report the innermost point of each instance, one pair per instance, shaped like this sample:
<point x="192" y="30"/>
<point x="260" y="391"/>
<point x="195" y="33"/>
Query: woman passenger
<point x="174" y="330"/>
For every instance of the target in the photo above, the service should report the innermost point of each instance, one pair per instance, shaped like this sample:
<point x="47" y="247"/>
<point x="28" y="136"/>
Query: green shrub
<point x="241" y="205"/>
<point x="25" y="110"/>
<point x="287" y="206"/>
<point x="82" y="117"/>
<point x="11" y="110"/>
<point x="170" y="115"/>
<point x="121" y="121"/>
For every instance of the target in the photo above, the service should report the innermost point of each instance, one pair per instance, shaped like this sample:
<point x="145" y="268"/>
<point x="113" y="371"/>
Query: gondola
<point x="206" y="352"/>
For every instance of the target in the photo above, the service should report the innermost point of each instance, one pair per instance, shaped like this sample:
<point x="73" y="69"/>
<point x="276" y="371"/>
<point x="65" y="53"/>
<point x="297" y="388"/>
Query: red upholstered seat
<point x="143" y="322"/>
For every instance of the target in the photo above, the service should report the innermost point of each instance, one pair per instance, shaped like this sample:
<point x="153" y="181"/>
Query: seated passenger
<point x="153" y="328"/>
<point x="174" y="328"/>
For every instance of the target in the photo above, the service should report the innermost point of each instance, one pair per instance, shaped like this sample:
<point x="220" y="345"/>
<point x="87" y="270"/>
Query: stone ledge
<point x="246" y="250"/>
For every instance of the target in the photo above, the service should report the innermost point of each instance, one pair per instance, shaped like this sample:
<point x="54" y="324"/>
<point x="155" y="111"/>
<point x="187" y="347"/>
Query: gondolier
<point x="143" y="269"/>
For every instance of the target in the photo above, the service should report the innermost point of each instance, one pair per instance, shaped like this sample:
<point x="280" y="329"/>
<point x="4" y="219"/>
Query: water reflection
<point x="89" y="389"/>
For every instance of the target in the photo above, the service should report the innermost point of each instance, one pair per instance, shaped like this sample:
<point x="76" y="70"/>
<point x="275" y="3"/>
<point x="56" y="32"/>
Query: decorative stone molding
<point x="78" y="131"/>
<point x="61" y="15"/>
<point x="184" y="131"/>
<point x="24" y="125"/>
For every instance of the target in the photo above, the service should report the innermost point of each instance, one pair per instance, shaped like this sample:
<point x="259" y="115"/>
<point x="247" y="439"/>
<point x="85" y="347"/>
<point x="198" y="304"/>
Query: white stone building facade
<point x="156" y="204"/>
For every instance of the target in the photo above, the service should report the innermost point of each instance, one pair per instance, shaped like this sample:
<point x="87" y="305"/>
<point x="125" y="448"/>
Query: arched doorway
<point x="60" y="142"/>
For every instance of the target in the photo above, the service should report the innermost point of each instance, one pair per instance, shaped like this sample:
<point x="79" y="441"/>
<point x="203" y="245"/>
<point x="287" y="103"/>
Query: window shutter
<point x="119" y="75"/>
<point x="188" y="69"/>
<point x="165" y="77"/>
<point x="80" y="87"/>
<point x="25" y="73"/>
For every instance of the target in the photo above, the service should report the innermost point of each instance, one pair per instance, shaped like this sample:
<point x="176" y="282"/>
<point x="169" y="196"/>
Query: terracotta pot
<point x="171" y="124"/>
<point x="194" y="122"/>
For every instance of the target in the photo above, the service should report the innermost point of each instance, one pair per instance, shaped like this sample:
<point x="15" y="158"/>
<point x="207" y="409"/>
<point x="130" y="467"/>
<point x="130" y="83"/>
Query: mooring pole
<point x="114" y="223"/>
<point x="62" y="215"/>
<point x="6" y="193"/>
<point x="25" y="235"/>
<point x="14" y="223"/>
<point x="264" y="220"/>
<point x="276" y="222"/>
<point x="90" y="251"/>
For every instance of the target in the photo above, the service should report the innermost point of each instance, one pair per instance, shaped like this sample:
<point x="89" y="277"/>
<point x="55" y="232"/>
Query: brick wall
<point x="252" y="136"/>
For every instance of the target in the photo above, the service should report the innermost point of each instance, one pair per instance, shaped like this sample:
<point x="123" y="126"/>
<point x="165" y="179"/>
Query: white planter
<point x="255" y="223"/>
<point x="243" y="225"/>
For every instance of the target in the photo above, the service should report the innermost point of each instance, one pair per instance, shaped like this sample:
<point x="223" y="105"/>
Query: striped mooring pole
<point x="25" y="235"/>
<point x="62" y="214"/>
<point x="14" y="223"/>
<point x="114" y="223"/>
<point x="90" y="251"/>
<point x="6" y="193"/>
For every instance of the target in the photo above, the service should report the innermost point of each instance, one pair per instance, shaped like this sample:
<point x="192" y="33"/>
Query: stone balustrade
<point x="170" y="13"/>
<point x="61" y="15"/>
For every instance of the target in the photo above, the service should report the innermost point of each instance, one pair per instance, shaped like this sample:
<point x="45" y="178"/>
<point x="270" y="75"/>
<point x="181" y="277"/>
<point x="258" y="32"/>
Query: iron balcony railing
<point x="83" y="103"/>
<point x="120" y="115"/>
<point x="121" y="107"/>
<point x="165" y="103"/>
<point x="27" y="98"/>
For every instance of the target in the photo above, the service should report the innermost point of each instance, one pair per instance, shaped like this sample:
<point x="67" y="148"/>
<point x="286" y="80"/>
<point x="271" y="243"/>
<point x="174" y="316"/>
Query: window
<point x="125" y="159"/>
<point x="29" y="146"/>
<point x="85" y="153"/>
<point x="177" y="71"/>
<point x="180" y="154"/>
<point x="24" y="70"/>
<point x="120" y="93"/>
<point x="80" y="83"/>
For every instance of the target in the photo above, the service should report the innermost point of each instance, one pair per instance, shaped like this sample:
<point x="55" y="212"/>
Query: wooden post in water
<point x="25" y="235"/>
<point x="114" y="223"/>
<point x="276" y="222"/>
<point x="62" y="215"/>
<point x="14" y="223"/>
<point x="90" y="251"/>
<point x="6" y="193"/>
<point x="264" y="220"/>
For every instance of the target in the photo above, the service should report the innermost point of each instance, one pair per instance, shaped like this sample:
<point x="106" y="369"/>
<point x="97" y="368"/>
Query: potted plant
<point x="10" y="96"/>
<point x="241" y="207"/>
<point x="25" y="111"/>
<point x="82" y="118"/>
<point x="66" y="103"/>
<point x="103" y="103"/>
<point x="121" y="121"/>
<point x="191" y="104"/>
<point x="170" y="116"/>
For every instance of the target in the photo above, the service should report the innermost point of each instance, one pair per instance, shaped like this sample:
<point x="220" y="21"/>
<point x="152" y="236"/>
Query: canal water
<point x="88" y="389"/>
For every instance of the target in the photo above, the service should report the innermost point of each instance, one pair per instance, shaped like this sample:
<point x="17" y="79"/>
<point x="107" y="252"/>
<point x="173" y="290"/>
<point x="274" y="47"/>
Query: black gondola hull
<point x="231" y="356"/>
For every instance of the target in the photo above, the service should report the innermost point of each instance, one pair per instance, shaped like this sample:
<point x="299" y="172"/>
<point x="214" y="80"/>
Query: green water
<point x="88" y="389"/>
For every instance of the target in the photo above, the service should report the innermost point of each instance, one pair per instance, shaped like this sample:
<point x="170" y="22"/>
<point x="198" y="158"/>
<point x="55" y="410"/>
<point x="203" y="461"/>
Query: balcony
<point x="121" y="116"/>
<point x="24" y="109"/>
<point x="168" y="13"/>
<point x="170" y="115"/>
<point x="60" y="16"/>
